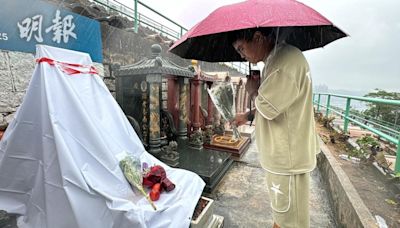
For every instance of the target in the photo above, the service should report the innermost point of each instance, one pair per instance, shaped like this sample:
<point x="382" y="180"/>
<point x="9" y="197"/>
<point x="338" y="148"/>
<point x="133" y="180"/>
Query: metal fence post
<point x="319" y="100"/>
<point x="346" y="116"/>
<point x="397" y="165"/>
<point x="328" y="102"/>
<point x="136" y="17"/>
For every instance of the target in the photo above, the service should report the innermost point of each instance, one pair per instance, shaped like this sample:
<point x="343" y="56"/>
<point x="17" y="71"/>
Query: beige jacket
<point x="285" y="127"/>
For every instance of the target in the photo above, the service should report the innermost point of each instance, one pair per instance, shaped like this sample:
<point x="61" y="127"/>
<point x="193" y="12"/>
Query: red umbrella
<point x="303" y="27"/>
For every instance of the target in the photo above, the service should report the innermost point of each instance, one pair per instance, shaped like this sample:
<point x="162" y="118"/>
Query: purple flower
<point x="145" y="165"/>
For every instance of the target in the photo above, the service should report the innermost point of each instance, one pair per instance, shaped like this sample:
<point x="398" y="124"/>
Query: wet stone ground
<point x="242" y="198"/>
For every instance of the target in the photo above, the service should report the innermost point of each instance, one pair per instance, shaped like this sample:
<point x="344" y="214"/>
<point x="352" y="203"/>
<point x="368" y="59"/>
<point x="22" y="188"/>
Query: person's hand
<point x="240" y="119"/>
<point x="252" y="85"/>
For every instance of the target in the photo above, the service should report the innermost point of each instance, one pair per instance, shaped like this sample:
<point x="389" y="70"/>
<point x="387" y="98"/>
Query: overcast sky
<point x="366" y="60"/>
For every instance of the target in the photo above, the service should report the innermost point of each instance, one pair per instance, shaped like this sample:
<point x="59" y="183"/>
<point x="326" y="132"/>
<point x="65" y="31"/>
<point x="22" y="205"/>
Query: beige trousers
<point x="289" y="196"/>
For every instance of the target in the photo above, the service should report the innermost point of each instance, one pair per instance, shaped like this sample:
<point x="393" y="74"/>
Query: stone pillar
<point x="145" y="116"/>
<point x="154" y="81"/>
<point x="164" y="93"/>
<point x="164" y="106"/>
<point x="196" y="102"/>
<point x="183" y="101"/>
<point x="210" y="107"/>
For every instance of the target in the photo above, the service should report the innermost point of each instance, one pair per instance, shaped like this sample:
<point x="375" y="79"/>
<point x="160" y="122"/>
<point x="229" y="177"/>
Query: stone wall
<point x="15" y="72"/>
<point x="16" y="69"/>
<point x="347" y="206"/>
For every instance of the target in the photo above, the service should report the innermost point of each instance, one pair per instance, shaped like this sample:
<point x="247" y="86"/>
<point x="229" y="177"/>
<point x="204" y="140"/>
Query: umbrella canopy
<point x="296" y="23"/>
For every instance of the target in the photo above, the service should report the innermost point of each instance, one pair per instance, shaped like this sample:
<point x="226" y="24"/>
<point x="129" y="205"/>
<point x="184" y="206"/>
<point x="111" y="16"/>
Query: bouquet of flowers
<point x="223" y="97"/>
<point x="130" y="166"/>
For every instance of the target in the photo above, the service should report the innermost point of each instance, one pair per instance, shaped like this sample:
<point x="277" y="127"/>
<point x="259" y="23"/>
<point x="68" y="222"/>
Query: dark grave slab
<point x="210" y="165"/>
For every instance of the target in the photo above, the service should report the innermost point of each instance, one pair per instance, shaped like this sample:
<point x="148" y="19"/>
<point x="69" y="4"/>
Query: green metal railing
<point x="348" y="117"/>
<point x="138" y="18"/>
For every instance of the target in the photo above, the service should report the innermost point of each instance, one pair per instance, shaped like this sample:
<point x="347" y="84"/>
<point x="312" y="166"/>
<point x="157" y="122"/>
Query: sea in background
<point x="341" y="102"/>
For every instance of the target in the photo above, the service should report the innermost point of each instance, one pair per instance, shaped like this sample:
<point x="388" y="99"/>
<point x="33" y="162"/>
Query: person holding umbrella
<point x="285" y="129"/>
<point x="274" y="32"/>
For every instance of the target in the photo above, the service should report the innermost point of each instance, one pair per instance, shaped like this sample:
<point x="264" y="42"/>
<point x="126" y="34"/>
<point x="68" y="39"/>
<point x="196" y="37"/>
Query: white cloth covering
<point x="58" y="158"/>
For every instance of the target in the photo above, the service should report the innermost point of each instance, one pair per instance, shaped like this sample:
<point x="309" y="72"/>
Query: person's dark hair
<point x="247" y="34"/>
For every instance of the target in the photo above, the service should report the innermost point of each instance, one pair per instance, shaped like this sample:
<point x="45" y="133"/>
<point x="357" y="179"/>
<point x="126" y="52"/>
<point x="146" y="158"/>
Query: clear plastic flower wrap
<point x="131" y="167"/>
<point x="223" y="97"/>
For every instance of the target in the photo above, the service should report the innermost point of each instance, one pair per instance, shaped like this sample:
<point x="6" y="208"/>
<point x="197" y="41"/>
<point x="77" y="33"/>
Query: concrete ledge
<point x="348" y="208"/>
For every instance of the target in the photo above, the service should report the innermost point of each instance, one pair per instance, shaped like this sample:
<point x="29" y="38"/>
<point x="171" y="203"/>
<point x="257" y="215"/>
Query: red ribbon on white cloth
<point x="69" y="68"/>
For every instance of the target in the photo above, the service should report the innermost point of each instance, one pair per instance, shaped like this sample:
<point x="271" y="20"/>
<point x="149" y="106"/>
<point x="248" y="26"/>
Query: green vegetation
<point x="384" y="112"/>
<point x="367" y="144"/>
